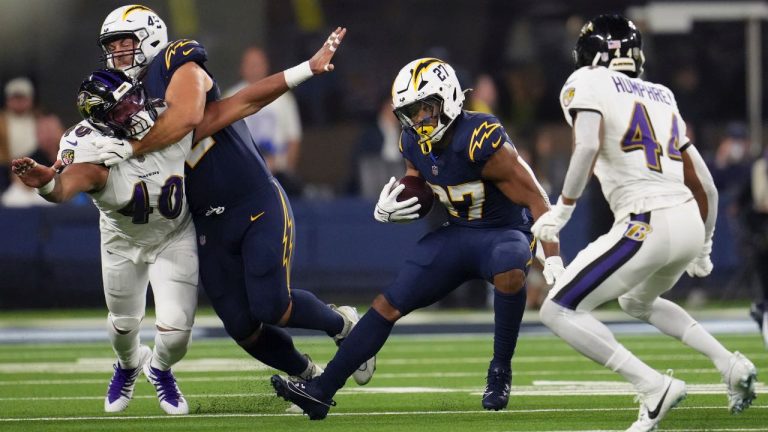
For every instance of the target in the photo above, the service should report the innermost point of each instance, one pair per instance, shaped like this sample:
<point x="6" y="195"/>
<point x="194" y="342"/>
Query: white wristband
<point x="47" y="188"/>
<point x="298" y="74"/>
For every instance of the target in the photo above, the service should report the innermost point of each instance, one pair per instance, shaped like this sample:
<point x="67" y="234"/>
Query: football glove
<point x="112" y="151"/>
<point x="553" y="268"/>
<point x="389" y="209"/>
<point x="550" y="223"/>
<point x="701" y="266"/>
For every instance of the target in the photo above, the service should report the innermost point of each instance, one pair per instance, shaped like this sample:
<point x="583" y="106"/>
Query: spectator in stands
<point x="484" y="96"/>
<point x="731" y="166"/>
<point x="376" y="157"/>
<point x="276" y="129"/>
<point x="17" y="125"/>
<point x="755" y="211"/>
<point x="48" y="131"/>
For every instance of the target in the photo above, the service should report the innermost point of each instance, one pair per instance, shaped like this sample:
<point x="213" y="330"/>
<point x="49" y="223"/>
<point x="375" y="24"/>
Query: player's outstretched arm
<point x="256" y="96"/>
<point x="512" y="175"/>
<point x="57" y="188"/>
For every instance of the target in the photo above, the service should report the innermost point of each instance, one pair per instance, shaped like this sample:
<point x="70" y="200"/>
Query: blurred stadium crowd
<point x="333" y="141"/>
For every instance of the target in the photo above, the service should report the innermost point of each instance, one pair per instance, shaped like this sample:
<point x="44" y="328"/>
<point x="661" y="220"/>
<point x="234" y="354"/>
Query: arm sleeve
<point x="702" y="172"/>
<point x="586" y="131"/>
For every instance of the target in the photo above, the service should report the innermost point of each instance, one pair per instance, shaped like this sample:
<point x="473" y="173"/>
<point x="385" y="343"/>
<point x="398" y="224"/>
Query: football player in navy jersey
<point x="490" y="193"/>
<point x="244" y="222"/>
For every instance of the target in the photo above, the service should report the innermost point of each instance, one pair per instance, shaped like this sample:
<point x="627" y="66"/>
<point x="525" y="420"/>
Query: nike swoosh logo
<point x="655" y="413"/>
<point x="187" y="51"/>
<point x="72" y="143"/>
<point x="253" y="218"/>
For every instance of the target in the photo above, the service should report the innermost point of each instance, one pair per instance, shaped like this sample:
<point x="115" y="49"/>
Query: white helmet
<point x="140" y="23"/>
<point x="427" y="83"/>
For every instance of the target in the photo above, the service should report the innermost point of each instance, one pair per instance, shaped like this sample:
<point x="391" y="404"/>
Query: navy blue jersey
<point x="455" y="174"/>
<point x="221" y="170"/>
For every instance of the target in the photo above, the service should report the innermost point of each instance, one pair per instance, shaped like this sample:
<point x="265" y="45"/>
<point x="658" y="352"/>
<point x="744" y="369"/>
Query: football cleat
<point x="497" y="387"/>
<point x="654" y="407"/>
<point x="312" y="371"/>
<point x="168" y="393"/>
<point x="363" y="374"/>
<point x="304" y="395"/>
<point x="740" y="379"/>
<point x="760" y="315"/>
<point x="120" y="389"/>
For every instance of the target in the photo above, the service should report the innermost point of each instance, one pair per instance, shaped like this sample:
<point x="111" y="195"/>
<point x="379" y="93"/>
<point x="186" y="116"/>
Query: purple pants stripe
<point x="600" y="269"/>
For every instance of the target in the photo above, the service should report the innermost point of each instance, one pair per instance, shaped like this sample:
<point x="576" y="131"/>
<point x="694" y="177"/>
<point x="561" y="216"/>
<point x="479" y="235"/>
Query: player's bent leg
<point x="365" y="371"/>
<point x="274" y="347"/>
<point x="509" y="306"/>
<point x="594" y="340"/>
<point x="315" y="397"/>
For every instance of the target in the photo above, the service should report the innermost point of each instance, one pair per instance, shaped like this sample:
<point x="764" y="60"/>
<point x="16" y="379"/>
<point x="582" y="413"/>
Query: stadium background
<point x="49" y="256"/>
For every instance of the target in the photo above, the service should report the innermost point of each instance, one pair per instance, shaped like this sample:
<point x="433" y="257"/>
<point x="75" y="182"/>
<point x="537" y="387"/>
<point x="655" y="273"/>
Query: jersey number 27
<point x="641" y="136"/>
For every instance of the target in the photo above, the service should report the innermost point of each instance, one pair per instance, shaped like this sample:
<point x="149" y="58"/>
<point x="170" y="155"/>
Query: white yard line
<point x="97" y="364"/>
<point x="540" y="388"/>
<point x="362" y="414"/>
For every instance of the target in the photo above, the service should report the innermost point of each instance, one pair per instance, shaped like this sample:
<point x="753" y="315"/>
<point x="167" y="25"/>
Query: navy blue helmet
<point x="612" y="41"/>
<point x="115" y="104"/>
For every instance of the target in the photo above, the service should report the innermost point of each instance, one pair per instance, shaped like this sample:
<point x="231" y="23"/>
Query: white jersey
<point x="639" y="164"/>
<point x="142" y="205"/>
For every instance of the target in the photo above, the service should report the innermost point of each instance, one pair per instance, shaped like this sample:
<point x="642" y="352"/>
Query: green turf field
<point x="423" y="383"/>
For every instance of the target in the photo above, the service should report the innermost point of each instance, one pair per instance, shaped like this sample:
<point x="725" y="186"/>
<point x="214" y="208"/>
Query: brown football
<point x="417" y="187"/>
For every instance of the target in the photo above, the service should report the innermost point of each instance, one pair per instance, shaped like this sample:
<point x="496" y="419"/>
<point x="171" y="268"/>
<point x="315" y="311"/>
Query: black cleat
<point x="496" y="394"/>
<point x="304" y="395"/>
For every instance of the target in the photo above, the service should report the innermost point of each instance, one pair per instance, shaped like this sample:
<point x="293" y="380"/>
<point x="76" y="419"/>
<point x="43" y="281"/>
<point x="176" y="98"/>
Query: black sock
<point x="364" y="342"/>
<point x="508" y="311"/>
<point x="275" y="348"/>
<point x="310" y="313"/>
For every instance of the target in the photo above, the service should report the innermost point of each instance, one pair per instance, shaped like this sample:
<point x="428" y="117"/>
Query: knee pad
<point x="635" y="308"/>
<point x="170" y="347"/>
<point x="124" y="323"/>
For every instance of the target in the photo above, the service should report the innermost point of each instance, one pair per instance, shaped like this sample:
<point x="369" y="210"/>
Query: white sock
<point x="645" y="379"/>
<point x="593" y="339"/>
<point x="170" y="347"/>
<point x="676" y="322"/>
<point x="125" y="346"/>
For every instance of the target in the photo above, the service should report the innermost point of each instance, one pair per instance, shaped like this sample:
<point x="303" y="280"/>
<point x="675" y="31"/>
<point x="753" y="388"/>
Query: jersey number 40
<point x="641" y="136"/>
<point x="168" y="205"/>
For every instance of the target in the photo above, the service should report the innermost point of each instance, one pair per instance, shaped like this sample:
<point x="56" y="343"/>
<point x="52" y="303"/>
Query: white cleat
<point x="168" y="393"/>
<point x="654" y="407"/>
<point x="364" y="373"/>
<point x="740" y="379"/>
<point x="120" y="389"/>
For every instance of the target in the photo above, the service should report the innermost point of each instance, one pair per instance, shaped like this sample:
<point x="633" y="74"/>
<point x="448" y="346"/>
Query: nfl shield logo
<point x="434" y="170"/>
<point x="201" y="239"/>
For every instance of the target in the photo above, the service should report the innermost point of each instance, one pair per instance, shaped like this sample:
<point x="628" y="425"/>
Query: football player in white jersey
<point x="147" y="233"/>
<point x="664" y="202"/>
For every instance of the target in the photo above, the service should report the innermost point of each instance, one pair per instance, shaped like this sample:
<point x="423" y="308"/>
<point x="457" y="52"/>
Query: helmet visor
<point x="424" y="112"/>
<point x="120" y="117"/>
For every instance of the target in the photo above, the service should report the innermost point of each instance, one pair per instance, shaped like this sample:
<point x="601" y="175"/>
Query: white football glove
<point x="551" y="222"/>
<point x="112" y="151"/>
<point x="701" y="266"/>
<point x="389" y="209"/>
<point x="553" y="268"/>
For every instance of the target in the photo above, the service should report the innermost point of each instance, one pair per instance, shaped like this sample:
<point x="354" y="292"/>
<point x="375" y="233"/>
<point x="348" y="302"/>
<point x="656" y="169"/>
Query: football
<point x="417" y="187"/>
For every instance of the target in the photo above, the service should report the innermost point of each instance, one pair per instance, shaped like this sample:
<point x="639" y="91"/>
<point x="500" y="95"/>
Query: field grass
<point x="423" y="383"/>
